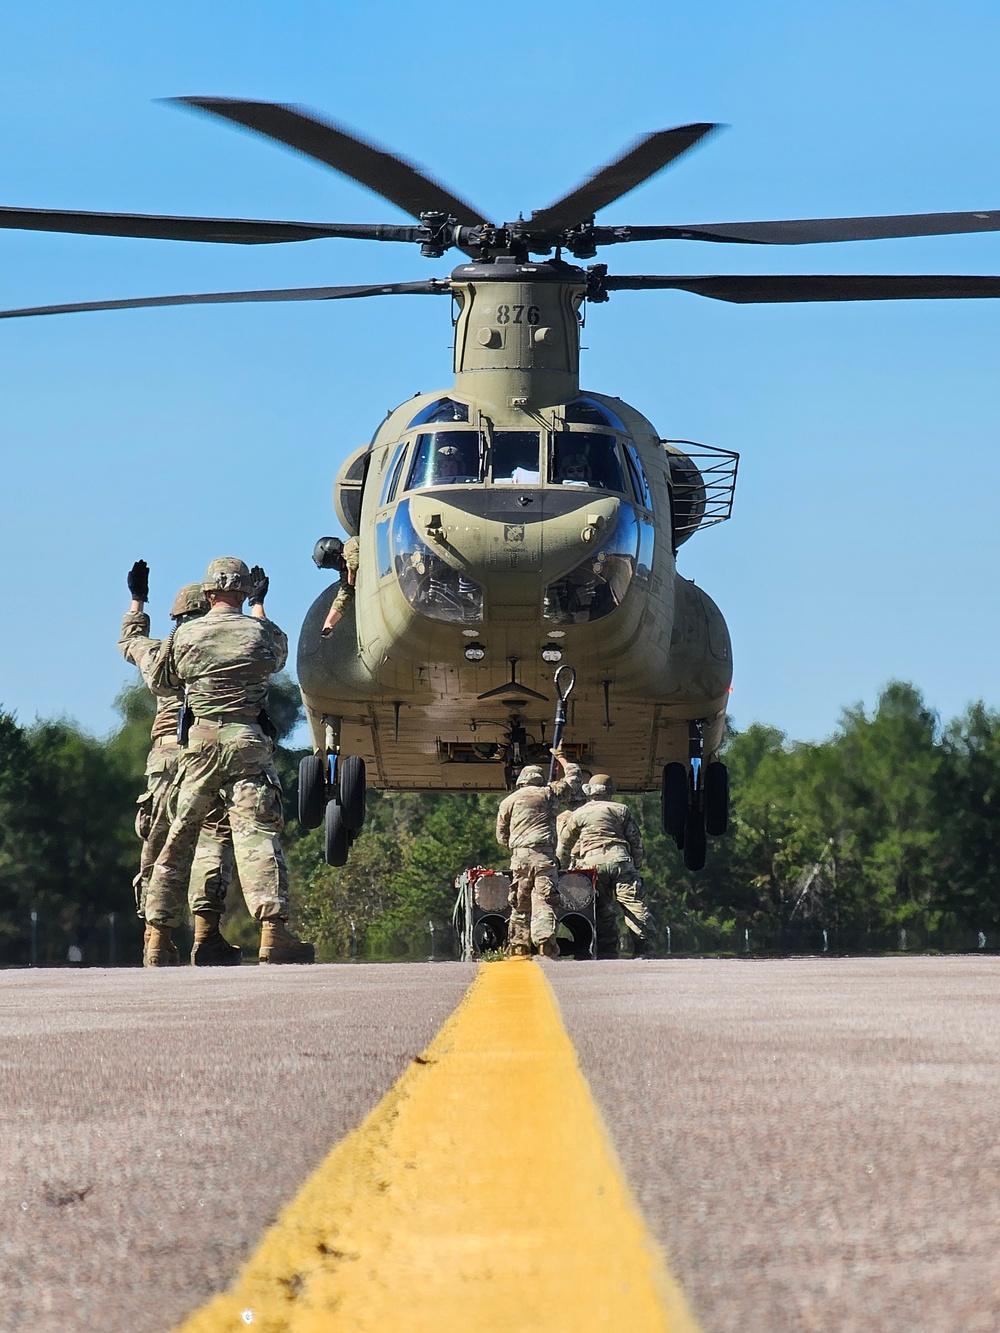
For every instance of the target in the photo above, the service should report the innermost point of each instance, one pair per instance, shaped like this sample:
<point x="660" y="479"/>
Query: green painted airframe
<point x="506" y="524"/>
<point x="512" y="523"/>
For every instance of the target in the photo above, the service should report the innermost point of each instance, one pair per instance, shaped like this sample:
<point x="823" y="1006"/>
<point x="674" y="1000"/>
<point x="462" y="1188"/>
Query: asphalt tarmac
<point x="816" y="1143"/>
<point x="153" y="1123"/>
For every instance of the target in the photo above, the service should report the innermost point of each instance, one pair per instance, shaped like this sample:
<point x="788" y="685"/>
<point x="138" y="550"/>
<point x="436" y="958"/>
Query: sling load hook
<point x="563" y="691"/>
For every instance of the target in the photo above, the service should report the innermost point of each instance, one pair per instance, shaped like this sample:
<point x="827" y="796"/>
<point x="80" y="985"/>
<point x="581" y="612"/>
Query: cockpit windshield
<point x="442" y="409"/>
<point x="515" y="458"/>
<point x="586" y="411"/>
<point x="582" y="458"/>
<point x="445" y="458"/>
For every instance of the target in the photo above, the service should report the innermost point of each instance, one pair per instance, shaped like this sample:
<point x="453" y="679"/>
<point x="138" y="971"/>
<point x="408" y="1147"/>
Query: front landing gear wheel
<point x="694" y="839"/>
<point x="336" y="843"/>
<point x="312" y="791"/>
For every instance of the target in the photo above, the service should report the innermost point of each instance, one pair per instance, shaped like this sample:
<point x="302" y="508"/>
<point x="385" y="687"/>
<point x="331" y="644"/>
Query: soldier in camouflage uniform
<point x="213" y="861"/>
<point x="602" y="835"/>
<point x="345" y="593"/>
<point x="225" y="661"/>
<point x="526" y="823"/>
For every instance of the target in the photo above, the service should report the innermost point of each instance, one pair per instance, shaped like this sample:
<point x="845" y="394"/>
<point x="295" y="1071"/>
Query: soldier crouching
<point x="526" y="823"/>
<point x="603" y="836"/>
<point x="225" y="661"/>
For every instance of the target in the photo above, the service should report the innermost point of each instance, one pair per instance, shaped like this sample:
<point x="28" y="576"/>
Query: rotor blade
<point x="236" y="231"/>
<point x="428" y="287"/>
<point x="810" y="231"/>
<point x="388" y="175"/>
<point x="822" y="287"/>
<point x="645" y="158"/>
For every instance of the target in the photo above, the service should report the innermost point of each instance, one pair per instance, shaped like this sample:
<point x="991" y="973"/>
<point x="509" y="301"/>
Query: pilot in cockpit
<point x="575" y="471"/>
<point x="449" y="466"/>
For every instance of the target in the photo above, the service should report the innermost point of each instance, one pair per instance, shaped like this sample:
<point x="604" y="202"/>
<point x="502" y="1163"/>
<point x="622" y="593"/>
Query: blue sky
<point x="863" y="544"/>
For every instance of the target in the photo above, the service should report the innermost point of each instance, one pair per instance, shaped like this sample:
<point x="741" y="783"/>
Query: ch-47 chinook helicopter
<point x="512" y="521"/>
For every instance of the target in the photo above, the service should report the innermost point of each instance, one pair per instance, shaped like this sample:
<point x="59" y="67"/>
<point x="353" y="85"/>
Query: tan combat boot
<point x="279" y="945"/>
<point x="211" y="949"/>
<point x="549" y="948"/>
<point x="158" y="949"/>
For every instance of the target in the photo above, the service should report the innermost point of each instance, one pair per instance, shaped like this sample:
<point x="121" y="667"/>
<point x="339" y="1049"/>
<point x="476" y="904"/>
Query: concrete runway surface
<point x="816" y="1143"/>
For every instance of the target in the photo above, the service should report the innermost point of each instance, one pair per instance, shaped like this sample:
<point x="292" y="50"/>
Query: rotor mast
<point x="517" y="334"/>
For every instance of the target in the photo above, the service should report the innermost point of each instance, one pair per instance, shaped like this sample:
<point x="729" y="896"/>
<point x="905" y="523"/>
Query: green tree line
<point x="886" y="834"/>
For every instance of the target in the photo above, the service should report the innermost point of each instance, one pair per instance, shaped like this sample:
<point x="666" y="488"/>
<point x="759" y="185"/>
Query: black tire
<point x="335" y="845"/>
<point x="674" y="799"/>
<point x="716" y="799"/>
<point x="352" y="791"/>
<point x="694" y="840"/>
<point x="312" y="790"/>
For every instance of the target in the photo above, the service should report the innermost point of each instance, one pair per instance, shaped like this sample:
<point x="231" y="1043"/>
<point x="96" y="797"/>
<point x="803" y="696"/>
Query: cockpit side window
<point x="515" y="458"/>
<point x="392" y="476"/>
<point x="639" y="483"/>
<point x="584" y="458"/>
<point x="441" y="410"/>
<point x="445" y="458"/>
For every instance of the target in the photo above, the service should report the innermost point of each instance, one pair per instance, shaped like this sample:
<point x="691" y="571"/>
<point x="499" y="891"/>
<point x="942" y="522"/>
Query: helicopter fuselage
<point x="507" y="525"/>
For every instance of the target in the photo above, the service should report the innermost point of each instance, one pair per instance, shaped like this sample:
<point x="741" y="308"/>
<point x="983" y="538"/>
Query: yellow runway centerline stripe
<point x="482" y="1193"/>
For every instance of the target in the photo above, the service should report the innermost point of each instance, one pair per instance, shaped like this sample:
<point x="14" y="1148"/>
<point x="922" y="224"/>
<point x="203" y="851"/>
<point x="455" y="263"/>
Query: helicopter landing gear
<point x="312" y="791"/>
<point x="352" y="792"/>
<point x="332" y="791"/>
<point x="695" y="802"/>
<point x="336" y="841"/>
<point x="716" y="799"/>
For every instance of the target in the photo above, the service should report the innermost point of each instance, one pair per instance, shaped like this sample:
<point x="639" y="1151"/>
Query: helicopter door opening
<point x="515" y="458"/>
<point x="446" y="458"/>
<point x="586" y="459"/>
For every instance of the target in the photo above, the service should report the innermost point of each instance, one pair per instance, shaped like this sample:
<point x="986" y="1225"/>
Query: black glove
<point x="259" y="584"/>
<point x="138" y="581"/>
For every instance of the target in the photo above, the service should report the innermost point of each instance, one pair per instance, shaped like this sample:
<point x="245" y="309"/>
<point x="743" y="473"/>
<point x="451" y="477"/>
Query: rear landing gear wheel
<point x="694" y="839"/>
<point x="336" y="842"/>
<point x="352" y="792"/>
<point x="312" y="791"/>
<point x="674" y="800"/>
<point x="716" y="799"/>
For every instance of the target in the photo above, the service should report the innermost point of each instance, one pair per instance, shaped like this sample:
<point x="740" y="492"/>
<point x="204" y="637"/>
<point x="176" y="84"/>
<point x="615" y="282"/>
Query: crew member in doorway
<point x="345" y="593"/>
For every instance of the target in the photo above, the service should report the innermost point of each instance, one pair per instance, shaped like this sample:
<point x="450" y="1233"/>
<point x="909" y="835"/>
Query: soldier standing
<point x="526" y="823"/>
<point x="213" y="860"/>
<point x="225" y="661"/>
<point x="603" y="836"/>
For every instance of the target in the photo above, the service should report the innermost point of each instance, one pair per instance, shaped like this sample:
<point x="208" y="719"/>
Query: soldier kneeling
<point x="603" y="836"/>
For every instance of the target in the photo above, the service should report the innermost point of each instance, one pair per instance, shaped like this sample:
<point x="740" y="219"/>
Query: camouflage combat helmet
<point x="227" y="574"/>
<point x="190" y="601"/>
<point x="531" y="776"/>
<point x="601" y="784"/>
